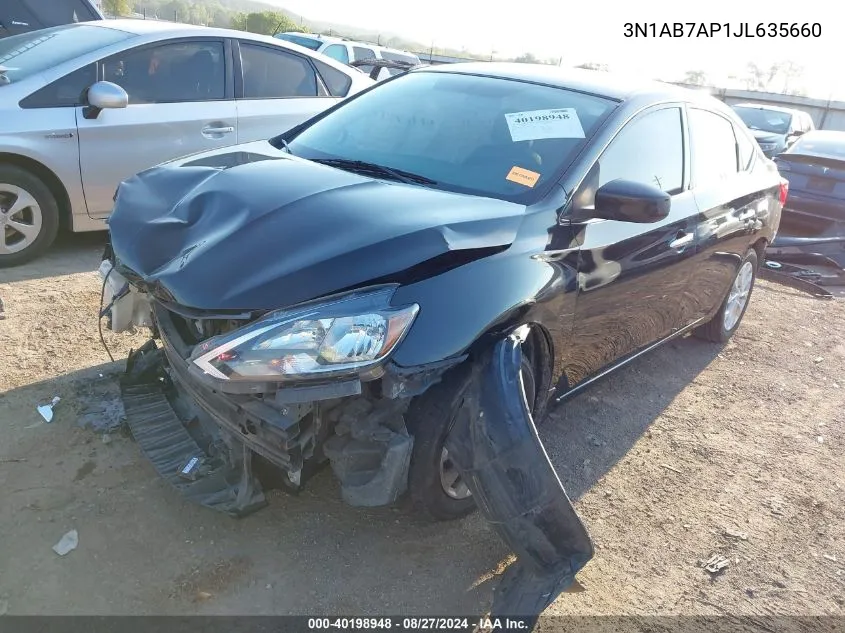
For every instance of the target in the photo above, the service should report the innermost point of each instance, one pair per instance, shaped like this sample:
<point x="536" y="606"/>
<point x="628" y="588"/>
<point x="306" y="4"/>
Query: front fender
<point x="496" y="446"/>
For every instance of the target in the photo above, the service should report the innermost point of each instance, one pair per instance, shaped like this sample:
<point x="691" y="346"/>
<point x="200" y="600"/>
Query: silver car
<point x="85" y="106"/>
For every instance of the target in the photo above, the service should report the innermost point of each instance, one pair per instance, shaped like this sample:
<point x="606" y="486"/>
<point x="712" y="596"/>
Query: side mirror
<point x="628" y="201"/>
<point x="101" y="96"/>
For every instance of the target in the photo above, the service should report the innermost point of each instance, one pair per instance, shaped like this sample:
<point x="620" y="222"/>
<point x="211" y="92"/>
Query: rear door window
<point x="713" y="147"/>
<point x="337" y="82"/>
<point x="271" y="73"/>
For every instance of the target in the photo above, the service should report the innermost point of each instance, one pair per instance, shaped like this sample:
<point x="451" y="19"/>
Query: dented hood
<point x="252" y="227"/>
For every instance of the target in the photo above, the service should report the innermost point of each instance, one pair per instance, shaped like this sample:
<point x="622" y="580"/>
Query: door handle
<point x="218" y="130"/>
<point x="681" y="241"/>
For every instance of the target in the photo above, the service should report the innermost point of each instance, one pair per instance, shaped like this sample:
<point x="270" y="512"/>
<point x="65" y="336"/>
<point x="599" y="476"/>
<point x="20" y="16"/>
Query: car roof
<point x="333" y="39"/>
<point x="620" y="87"/>
<point x="833" y="136"/>
<point x="766" y="106"/>
<point x="175" y="29"/>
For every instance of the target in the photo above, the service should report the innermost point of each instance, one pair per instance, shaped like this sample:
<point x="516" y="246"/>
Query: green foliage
<point x="117" y="7"/>
<point x="263" y="22"/>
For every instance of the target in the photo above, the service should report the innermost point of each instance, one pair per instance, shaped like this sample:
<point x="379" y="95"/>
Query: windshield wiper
<point x="363" y="167"/>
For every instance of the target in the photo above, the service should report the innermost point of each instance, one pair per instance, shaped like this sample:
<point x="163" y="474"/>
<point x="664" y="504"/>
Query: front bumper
<point x="206" y="443"/>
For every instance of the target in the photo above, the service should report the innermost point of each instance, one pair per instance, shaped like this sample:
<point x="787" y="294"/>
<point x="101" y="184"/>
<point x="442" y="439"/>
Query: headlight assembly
<point x="343" y="335"/>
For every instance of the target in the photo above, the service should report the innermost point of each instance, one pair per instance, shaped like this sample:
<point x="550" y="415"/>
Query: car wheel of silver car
<point x="435" y="484"/>
<point x="722" y="326"/>
<point x="29" y="216"/>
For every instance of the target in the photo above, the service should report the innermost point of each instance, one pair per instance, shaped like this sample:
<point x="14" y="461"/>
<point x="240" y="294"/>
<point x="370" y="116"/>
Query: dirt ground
<point x="692" y="451"/>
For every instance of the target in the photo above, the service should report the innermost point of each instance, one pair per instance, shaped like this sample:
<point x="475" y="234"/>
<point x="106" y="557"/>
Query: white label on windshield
<point x="539" y="124"/>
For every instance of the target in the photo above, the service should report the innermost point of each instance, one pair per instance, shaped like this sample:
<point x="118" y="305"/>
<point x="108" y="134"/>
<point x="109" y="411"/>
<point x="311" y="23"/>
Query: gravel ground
<point x="692" y="451"/>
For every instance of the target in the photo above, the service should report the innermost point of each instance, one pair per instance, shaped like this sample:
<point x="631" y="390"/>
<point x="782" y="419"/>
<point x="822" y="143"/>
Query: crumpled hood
<point x="252" y="228"/>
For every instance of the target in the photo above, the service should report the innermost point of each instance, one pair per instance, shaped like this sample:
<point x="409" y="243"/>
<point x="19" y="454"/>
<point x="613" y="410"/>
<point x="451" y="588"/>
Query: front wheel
<point x="29" y="216"/>
<point x="722" y="326"/>
<point x="434" y="481"/>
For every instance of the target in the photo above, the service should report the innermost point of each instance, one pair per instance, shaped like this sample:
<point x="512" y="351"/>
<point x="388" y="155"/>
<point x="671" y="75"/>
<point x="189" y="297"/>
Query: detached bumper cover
<point x="495" y="445"/>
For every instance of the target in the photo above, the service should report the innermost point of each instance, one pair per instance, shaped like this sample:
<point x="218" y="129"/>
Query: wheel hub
<point x="738" y="296"/>
<point x="20" y="219"/>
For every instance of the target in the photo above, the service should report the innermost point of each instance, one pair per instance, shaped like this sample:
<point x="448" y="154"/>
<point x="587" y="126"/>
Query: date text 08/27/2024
<point x="723" y="29"/>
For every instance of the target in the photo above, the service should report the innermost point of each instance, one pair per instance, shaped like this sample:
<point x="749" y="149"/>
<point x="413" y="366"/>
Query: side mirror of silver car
<point x="101" y="96"/>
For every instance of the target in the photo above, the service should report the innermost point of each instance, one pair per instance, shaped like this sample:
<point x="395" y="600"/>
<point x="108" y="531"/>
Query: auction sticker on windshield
<point x="540" y="124"/>
<point x="523" y="176"/>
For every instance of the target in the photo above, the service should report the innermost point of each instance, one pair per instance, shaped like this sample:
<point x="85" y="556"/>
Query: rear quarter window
<point x="337" y="82"/>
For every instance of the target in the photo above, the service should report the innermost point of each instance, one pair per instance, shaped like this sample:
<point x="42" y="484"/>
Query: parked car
<point x="815" y="168"/>
<point x="347" y="51"/>
<point x="404" y="284"/>
<point x="21" y="16"/>
<point x="774" y="128"/>
<point x="84" y="106"/>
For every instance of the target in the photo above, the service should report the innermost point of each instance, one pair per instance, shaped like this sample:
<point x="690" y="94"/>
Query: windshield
<point x="31" y="53"/>
<point x="480" y="135"/>
<point x="307" y="42"/>
<point x="765" y="120"/>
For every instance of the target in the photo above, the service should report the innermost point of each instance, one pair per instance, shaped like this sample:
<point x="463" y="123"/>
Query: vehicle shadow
<point x="70" y="254"/>
<point x="305" y="554"/>
<point x="587" y="435"/>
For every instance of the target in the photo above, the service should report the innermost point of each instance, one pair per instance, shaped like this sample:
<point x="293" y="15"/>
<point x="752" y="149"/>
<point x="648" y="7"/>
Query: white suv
<point x="348" y="51"/>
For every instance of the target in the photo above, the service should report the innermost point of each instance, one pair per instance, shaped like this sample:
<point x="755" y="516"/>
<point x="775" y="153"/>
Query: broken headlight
<point x="351" y="333"/>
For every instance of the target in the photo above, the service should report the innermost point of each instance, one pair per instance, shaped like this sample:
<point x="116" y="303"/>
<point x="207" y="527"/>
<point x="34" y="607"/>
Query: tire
<point x="720" y="329"/>
<point x="430" y="418"/>
<point x="38" y="215"/>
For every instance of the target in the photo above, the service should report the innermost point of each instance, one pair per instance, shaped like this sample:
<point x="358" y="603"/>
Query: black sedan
<point x="815" y="169"/>
<point x="403" y="285"/>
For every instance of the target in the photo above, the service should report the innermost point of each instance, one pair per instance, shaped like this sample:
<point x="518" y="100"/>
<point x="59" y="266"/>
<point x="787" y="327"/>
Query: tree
<point x="764" y="79"/>
<point x="264" y="22"/>
<point x="695" y="77"/>
<point x="527" y="58"/>
<point x="593" y="66"/>
<point x="117" y="7"/>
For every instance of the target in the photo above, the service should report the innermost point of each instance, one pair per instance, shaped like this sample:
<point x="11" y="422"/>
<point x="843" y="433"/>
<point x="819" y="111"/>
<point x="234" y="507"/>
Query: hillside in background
<point x="259" y="17"/>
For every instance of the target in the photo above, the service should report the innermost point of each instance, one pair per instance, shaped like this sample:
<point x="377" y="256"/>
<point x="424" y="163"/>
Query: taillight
<point x="784" y="190"/>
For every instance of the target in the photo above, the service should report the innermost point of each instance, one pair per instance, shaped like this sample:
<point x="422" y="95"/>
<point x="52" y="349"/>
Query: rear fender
<point x="495" y="445"/>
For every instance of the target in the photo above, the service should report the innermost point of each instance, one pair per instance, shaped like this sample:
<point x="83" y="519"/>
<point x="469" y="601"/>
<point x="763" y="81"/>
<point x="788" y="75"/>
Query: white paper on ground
<point x="540" y="124"/>
<point x="67" y="543"/>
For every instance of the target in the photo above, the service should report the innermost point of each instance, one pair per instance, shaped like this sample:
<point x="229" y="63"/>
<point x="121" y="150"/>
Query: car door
<point x="181" y="101"/>
<point x="277" y="90"/>
<point x="49" y="133"/>
<point x="633" y="278"/>
<point x="730" y="196"/>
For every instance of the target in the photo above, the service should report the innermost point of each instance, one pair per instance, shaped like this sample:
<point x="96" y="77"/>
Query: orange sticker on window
<point x="523" y="176"/>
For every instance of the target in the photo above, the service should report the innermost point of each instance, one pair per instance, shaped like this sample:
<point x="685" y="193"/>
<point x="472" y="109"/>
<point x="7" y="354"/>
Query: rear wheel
<point x="29" y="216"/>
<point x="722" y="326"/>
<point x="434" y="481"/>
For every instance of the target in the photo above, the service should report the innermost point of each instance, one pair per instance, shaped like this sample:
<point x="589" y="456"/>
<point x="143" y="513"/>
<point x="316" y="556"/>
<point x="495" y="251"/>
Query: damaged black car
<point x="402" y="286"/>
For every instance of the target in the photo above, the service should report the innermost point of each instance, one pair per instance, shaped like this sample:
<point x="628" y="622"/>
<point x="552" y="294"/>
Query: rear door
<point x="180" y="102"/>
<point x="276" y="90"/>
<point x="731" y="195"/>
<point x="633" y="278"/>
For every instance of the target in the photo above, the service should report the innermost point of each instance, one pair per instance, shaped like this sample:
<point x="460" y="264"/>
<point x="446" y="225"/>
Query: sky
<point x="594" y="32"/>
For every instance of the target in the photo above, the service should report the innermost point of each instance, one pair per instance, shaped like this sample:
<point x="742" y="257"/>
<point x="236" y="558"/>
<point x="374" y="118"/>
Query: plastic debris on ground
<point x="715" y="563"/>
<point x="46" y="410"/>
<point x="67" y="543"/>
